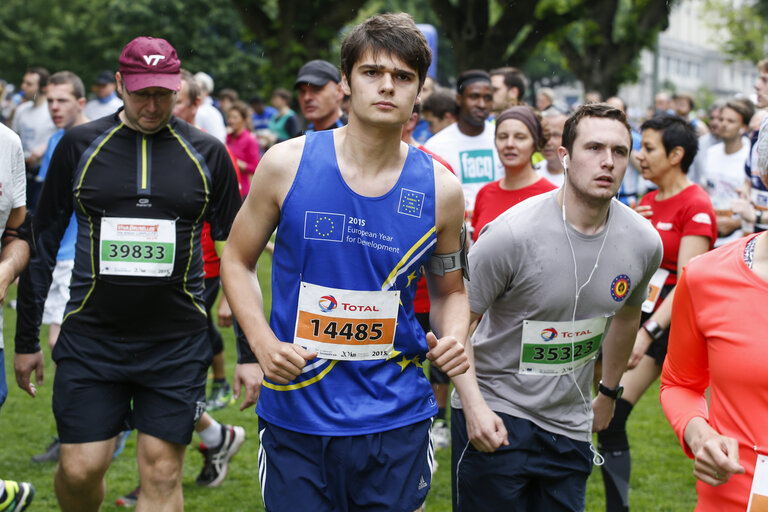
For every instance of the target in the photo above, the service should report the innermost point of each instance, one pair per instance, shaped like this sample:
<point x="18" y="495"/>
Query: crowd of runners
<point x="528" y="255"/>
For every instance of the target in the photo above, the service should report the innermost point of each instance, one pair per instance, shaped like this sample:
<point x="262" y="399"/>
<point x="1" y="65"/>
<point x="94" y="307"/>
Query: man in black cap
<point x="320" y="95"/>
<point x="106" y="101"/>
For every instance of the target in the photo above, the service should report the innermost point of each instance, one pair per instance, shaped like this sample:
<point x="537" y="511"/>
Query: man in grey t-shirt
<point x="554" y="278"/>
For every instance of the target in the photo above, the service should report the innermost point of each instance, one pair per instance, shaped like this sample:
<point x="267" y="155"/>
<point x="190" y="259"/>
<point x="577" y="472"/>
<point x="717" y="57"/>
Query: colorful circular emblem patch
<point x="620" y="287"/>
<point x="327" y="303"/>
<point x="548" y="334"/>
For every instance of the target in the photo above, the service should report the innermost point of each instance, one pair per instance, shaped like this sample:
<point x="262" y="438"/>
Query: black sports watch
<point x="653" y="329"/>
<point x="614" y="393"/>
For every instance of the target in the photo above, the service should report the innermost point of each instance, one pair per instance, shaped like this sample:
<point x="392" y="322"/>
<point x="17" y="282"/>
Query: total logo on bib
<point x="346" y="324"/>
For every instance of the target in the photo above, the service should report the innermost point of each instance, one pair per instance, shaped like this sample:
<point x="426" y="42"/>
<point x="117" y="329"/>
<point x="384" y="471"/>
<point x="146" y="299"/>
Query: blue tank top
<point x="333" y="237"/>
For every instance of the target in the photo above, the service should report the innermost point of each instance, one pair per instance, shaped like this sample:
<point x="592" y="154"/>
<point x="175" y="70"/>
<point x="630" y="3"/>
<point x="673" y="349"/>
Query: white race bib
<point x="556" y="348"/>
<point x="654" y="289"/>
<point x="347" y="325"/>
<point x="758" y="495"/>
<point x="137" y="247"/>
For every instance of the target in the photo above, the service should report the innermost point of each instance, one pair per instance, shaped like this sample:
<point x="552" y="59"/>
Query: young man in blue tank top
<point x="344" y="406"/>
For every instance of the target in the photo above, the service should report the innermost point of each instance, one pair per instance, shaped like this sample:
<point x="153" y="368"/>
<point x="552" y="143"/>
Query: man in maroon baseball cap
<point x="134" y="345"/>
<point x="148" y="79"/>
<point x="150" y="62"/>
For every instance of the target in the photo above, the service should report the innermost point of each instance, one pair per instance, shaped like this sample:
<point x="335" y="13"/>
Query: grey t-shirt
<point x="522" y="268"/>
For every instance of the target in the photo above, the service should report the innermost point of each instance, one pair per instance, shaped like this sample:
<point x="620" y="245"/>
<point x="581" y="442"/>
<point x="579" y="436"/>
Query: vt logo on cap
<point x="152" y="60"/>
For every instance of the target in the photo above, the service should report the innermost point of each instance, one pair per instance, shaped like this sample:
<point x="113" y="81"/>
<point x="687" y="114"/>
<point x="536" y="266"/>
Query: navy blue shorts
<point x="103" y="387"/>
<point x="436" y="375"/>
<point x="385" y="472"/>
<point x="538" y="471"/>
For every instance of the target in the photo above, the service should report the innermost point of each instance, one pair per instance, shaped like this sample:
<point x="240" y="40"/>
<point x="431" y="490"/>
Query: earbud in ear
<point x="565" y="162"/>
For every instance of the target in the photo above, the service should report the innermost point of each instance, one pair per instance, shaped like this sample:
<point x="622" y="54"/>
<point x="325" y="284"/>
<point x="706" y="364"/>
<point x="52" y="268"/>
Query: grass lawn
<point x="661" y="478"/>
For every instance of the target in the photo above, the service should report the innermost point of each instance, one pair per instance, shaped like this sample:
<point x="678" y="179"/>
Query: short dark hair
<point x="440" y="102"/>
<point x="242" y="108"/>
<point x="395" y="34"/>
<point x="283" y="93"/>
<point x="194" y="88"/>
<point x="42" y="73"/>
<point x="68" y="77"/>
<point x="685" y="96"/>
<point x="743" y="107"/>
<point x="471" y="76"/>
<point x="599" y="110"/>
<point x="513" y="77"/>
<point x="675" y="132"/>
<point x="229" y="94"/>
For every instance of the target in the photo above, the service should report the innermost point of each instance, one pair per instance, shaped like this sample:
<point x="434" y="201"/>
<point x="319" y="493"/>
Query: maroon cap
<point x="150" y="62"/>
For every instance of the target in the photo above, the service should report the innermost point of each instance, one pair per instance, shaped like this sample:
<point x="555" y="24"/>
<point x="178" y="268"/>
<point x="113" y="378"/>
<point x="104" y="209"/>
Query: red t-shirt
<point x="492" y="201"/>
<point x="687" y="213"/>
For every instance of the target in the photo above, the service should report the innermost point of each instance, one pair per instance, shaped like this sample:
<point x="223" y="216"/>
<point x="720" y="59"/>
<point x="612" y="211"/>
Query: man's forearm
<point x="617" y="345"/>
<point x="13" y="259"/>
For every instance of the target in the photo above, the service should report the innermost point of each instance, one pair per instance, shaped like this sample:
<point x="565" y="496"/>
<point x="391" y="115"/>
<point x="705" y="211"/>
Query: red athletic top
<point x="492" y="201"/>
<point x="717" y="341"/>
<point x="689" y="212"/>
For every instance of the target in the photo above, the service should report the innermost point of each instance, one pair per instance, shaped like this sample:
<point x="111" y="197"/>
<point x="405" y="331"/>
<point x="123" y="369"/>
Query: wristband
<point x="653" y="329"/>
<point x="614" y="393"/>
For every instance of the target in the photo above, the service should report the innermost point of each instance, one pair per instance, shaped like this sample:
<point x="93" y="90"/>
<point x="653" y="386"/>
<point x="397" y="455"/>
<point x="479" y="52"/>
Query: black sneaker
<point x="217" y="459"/>
<point x="17" y="496"/>
<point x="51" y="453"/>
<point x="130" y="499"/>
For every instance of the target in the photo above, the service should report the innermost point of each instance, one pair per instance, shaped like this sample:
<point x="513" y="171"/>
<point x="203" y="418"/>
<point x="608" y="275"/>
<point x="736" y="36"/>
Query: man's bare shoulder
<point x="277" y="169"/>
<point x="283" y="158"/>
<point x="447" y="186"/>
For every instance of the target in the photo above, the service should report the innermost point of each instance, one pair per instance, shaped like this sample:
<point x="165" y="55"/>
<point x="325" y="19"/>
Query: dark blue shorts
<point x="538" y="471"/>
<point x="103" y="387"/>
<point x="385" y="472"/>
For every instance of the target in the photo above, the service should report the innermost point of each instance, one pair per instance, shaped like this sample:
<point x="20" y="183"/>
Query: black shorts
<point x="436" y="375"/>
<point x="211" y="291"/>
<point x="103" y="387"/>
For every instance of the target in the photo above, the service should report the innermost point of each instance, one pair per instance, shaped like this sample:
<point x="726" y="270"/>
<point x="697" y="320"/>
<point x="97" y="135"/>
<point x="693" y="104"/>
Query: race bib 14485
<point x="346" y="324"/>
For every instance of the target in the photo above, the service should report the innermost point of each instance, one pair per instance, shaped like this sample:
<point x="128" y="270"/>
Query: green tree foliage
<point x="86" y="37"/>
<point x="603" y="50"/>
<point x="743" y="28"/>
<point x="292" y="32"/>
<point x="491" y="33"/>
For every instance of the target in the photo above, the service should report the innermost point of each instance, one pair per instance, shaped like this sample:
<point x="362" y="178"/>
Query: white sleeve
<point x="18" y="176"/>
